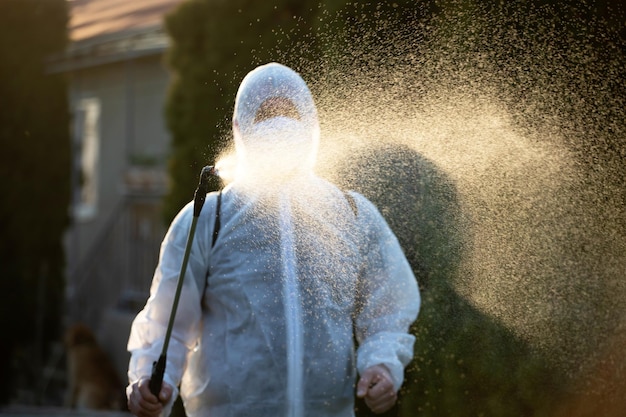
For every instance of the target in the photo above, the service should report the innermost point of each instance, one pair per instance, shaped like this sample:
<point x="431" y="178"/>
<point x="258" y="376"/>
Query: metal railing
<point x="118" y="269"/>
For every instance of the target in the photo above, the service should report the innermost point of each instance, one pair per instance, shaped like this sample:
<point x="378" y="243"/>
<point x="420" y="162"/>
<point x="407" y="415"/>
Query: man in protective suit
<point x="298" y="271"/>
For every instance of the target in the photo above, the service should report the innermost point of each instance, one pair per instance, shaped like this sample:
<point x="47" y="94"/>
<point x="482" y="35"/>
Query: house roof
<point x="94" y="18"/>
<point x="107" y="31"/>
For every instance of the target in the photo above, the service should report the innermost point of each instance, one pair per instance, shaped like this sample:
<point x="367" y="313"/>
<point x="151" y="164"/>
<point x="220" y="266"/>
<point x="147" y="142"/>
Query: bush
<point x="34" y="184"/>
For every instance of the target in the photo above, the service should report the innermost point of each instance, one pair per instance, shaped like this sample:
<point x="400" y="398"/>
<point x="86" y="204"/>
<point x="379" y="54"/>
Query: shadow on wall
<point x="465" y="363"/>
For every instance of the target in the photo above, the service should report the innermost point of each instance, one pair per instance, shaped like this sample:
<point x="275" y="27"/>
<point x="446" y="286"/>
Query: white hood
<point x="275" y="124"/>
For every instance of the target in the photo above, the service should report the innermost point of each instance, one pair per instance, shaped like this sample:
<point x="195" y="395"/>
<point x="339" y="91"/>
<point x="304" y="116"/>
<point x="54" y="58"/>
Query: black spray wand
<point x="158" y="367"/>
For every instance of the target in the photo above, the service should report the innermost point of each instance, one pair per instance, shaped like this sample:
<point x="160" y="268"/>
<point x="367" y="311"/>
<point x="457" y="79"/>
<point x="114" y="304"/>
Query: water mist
<point x="521" y="114"/>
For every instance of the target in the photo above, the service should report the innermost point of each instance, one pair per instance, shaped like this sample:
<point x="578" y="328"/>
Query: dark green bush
<point x="34" y="184"/>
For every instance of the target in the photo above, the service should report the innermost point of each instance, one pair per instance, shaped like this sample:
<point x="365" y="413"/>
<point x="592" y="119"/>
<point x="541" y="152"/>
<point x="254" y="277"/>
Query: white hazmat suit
<point x="269" y="313"/>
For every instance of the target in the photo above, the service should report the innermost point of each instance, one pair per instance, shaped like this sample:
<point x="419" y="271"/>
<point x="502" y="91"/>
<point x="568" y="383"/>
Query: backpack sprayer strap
<point x="217" y="223"/>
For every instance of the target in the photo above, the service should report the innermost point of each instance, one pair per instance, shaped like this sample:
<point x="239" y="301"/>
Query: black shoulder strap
<point x="217" y="224"/>
<point x="216" y="232"/>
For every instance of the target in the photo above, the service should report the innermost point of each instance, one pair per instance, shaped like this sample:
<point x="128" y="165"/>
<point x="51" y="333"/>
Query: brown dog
<point x="93" y="382"/>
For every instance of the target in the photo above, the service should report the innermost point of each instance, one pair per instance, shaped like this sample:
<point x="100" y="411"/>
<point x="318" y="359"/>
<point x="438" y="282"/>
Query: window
<point x="87" y="147"/>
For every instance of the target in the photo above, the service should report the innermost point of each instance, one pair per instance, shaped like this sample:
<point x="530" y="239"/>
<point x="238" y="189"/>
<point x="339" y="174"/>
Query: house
<point x="117" y="91"/>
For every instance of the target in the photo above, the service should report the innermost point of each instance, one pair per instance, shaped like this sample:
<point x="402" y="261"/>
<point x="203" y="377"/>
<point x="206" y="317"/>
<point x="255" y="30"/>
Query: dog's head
<point x="79" y="334"/>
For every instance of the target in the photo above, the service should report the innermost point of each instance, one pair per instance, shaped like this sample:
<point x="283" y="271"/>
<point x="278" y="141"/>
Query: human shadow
<point x="465" y="362"/>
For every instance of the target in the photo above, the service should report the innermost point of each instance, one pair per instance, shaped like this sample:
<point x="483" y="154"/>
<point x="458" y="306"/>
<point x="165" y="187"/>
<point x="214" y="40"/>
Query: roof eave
<point x="110" y="48"/>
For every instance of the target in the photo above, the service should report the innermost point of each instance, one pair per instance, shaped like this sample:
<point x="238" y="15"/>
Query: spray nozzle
<point x="207" y="174"/>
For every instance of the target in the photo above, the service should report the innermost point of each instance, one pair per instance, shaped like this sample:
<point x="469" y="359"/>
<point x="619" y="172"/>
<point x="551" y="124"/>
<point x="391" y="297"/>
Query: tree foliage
<point x="34" y="183"/>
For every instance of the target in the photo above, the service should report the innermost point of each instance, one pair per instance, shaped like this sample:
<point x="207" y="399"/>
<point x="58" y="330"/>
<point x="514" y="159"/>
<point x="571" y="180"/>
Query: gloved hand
<point x="376" y="387"/>
<point x="142" y="403"/>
